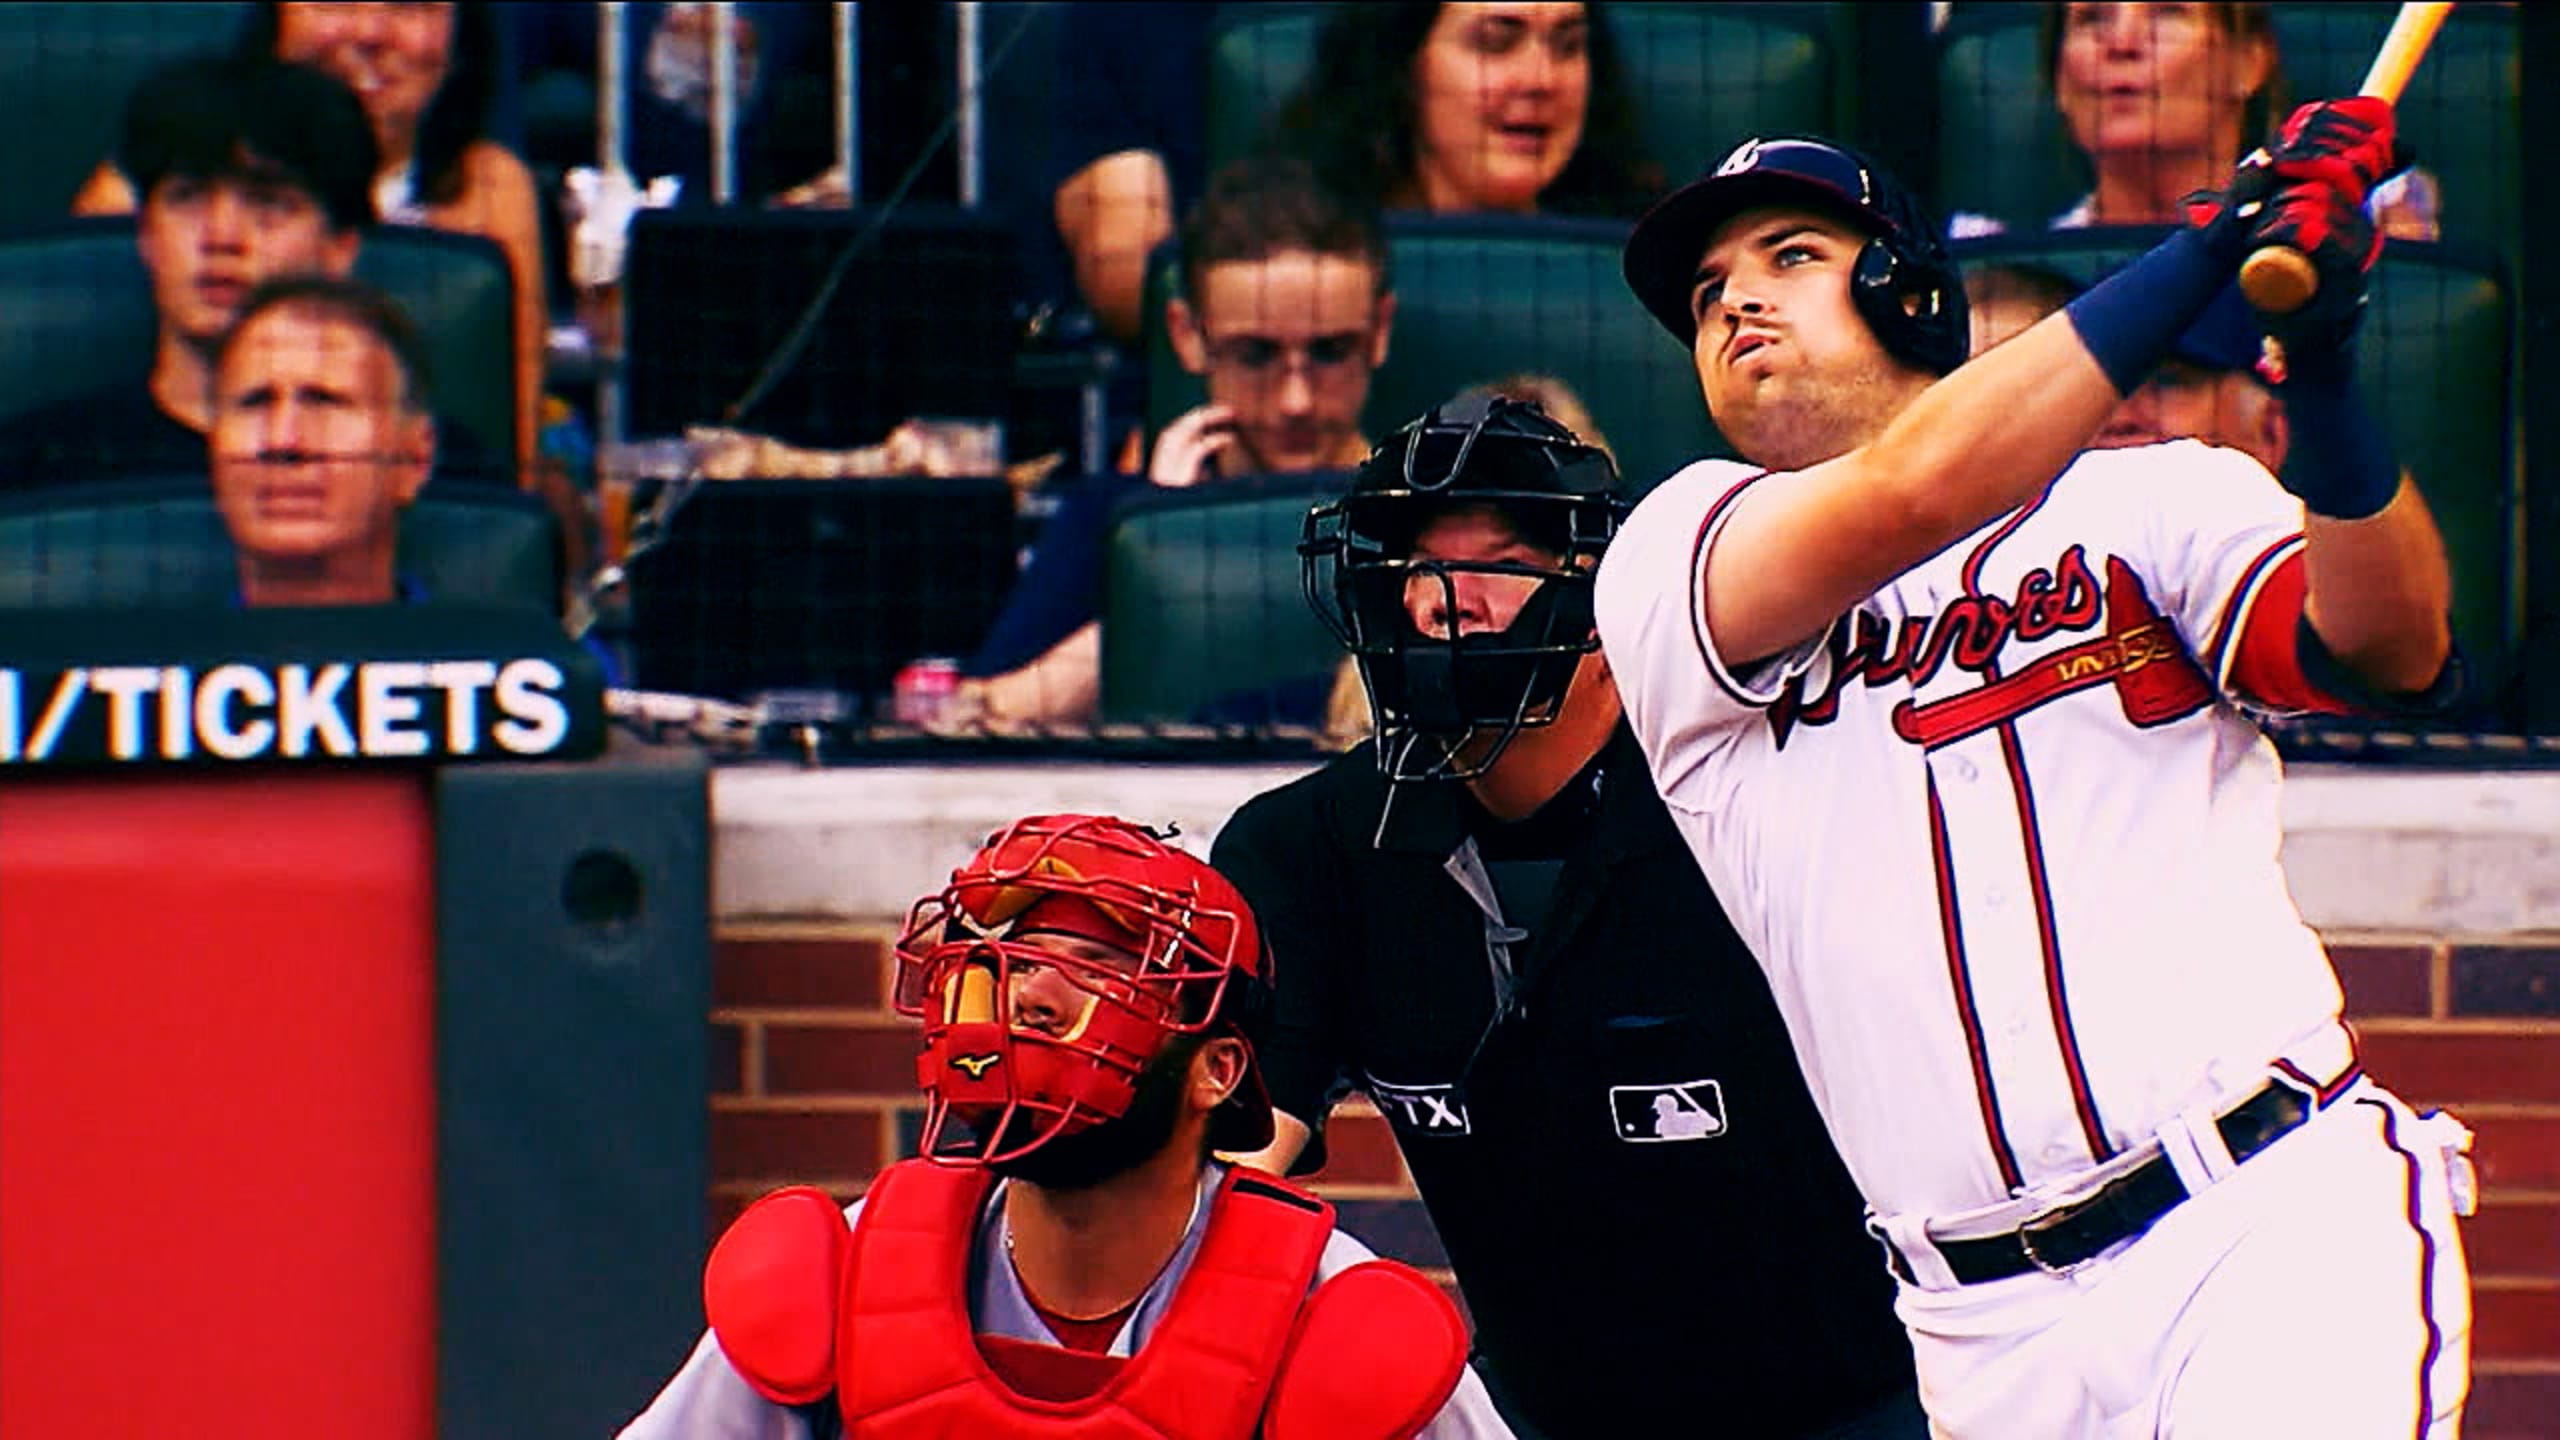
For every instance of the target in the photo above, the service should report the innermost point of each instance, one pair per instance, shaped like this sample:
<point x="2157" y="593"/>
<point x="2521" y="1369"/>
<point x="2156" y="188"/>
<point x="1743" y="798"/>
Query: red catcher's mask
<point x="1055" y="965"/>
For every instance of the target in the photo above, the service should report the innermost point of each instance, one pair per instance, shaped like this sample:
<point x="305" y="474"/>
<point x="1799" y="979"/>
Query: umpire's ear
<point x="1382" y="320"/>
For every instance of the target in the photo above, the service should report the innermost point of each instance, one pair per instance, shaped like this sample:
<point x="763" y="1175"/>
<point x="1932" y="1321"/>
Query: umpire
<point x="1484" y="919"/>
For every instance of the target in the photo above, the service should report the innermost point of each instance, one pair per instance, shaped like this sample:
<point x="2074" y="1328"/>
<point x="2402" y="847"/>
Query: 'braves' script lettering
<point x="1970" y="632"/>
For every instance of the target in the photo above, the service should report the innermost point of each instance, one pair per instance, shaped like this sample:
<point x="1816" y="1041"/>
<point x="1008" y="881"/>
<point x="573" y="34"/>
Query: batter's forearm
<point x="2378" y="591"/>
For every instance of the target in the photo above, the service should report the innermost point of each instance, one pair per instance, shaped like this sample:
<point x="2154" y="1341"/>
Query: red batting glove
<point x="2347" y="145"/>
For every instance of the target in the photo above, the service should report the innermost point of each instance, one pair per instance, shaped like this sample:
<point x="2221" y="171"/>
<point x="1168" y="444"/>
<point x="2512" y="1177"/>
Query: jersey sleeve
<point x="1269" y="852"/>
<point x="707" y="1401"/>
<point x="1682" y="698"/>
<point x="2220" y="550"/>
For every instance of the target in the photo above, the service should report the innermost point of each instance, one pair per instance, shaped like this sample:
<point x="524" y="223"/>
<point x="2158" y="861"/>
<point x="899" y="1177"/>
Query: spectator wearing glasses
<point x="1284" y="313"/>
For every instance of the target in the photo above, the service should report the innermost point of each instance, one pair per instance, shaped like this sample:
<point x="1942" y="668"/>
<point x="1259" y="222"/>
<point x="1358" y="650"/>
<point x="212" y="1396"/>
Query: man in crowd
<point x="247" y="170"/>
<point x="1959" y="717"/>
<point x="1483" y="920"/>
<point x="1284" y="312"/>
<point x="2216" y="384"/>
<point x="1065" y="1258"/>
<point x="321" y="436"/>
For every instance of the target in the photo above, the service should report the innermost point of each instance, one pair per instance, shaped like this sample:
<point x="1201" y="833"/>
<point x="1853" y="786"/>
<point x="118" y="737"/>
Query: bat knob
<point x="2278" y="280"/>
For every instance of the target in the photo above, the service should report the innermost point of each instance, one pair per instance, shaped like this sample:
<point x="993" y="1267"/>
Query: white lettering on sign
<point x="386" y="708"/>
<point x="307" y="704"/>
<point x="462" y="681"/>
<point x="377" y="709"/>
<point x="223" y="685"/>
<point x="528" y="695"/>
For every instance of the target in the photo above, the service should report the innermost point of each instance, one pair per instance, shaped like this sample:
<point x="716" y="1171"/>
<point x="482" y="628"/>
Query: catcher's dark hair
<point x="458" y="115"/>
<point x="251" y="118"/>
<point x="1355" y="114"/>
<point x="352" y="302"/>
<point x="1271" y="202"/>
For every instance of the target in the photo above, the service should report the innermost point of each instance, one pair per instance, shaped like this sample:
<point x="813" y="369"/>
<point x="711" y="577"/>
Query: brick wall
<point x="814" y="1083"/>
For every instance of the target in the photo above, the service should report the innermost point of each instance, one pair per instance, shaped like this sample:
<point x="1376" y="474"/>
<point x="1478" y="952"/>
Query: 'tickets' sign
<point x="354" y="684"/>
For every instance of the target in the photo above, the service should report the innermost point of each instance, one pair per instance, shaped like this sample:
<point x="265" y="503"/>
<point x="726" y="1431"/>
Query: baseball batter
<point x="1958" y="721"/>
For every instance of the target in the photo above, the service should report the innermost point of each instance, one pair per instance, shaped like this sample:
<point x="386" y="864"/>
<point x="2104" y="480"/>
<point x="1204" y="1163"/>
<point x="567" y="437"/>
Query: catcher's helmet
<point x="1447" y="704"/>
<point x="1904" y="284"/>
<point x="1185" y="958"/>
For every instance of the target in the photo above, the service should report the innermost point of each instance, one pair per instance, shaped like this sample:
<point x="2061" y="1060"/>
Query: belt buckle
<point x="2049" y="1221"/>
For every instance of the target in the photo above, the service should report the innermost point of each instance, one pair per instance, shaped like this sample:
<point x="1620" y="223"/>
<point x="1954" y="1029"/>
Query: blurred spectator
<point x="249" y="170"/>
<point x="1128" y="147"/>
<point x="1449" y="108"/>
<point x="321" y="437"/>
<point x="2001" y="300"/>
<point x="2211" y="388"/>
<point x="426" y="75"/>
<point x="785" y="74"/>
<point x="1285" y="310"/>
<point x="2161" y="98"/>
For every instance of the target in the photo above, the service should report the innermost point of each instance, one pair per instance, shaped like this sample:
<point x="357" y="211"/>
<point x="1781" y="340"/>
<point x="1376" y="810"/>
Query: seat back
<point x="1701" y="77"/>
<point x="80" y="316"/>
<point x="2433" y="357"/>
<point x="1202" y="597"/>
<point x="1706" y="77"/>
<point x="1480" y="297"/>
<point x="2003" y="150"/>
<point x="161" y="542"/>
<point x="73" y="63"/>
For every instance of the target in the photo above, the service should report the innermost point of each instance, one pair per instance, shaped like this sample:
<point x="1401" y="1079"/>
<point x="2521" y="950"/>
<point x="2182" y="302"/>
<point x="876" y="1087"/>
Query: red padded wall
<point x="216" y="1106"/>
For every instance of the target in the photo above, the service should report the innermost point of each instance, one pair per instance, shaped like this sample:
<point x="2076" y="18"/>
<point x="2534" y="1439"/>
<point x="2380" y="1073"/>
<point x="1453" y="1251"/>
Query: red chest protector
<point x="878" y="1314"/>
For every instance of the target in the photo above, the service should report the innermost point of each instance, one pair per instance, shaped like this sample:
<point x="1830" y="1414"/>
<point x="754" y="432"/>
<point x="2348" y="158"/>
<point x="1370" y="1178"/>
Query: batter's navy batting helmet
<point x="1904" y="284"/>
<point x="1448" y="703"/>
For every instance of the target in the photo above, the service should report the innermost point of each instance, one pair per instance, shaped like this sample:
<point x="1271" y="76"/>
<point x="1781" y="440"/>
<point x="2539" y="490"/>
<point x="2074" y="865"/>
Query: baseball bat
<point x="2278" y="279"/>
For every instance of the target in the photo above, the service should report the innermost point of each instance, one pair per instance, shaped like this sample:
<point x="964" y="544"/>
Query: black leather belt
<point x="2121" y="1209"/>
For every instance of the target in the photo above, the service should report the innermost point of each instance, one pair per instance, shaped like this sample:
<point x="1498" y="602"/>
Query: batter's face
<point x="1791" y="373"/>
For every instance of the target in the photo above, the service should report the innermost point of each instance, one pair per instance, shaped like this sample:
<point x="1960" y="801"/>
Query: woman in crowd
<point x="426" y="75"/>
<point x="1517" y="108"/>
<point x="2161" y="98"/>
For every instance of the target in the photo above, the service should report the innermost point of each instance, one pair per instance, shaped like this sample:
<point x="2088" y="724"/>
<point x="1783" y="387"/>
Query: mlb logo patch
<point x="1650" y="1114"/>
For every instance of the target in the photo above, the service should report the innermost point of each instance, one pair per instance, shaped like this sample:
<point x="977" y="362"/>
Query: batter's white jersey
<point x="2002" y="837"/>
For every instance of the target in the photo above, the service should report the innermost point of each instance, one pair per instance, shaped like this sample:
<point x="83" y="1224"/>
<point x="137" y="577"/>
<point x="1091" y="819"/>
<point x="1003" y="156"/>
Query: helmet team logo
<point x="1745" y="157"/>
<point x="976" y="1066"/>
<point x="1654" y="1114"/>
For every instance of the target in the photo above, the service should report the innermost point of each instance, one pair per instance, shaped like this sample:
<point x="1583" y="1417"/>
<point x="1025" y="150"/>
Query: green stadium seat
<point x="79" y="316"/>
<point x="2002" y="150"/>
<point x="160" y="542"/>
<point x="1202" y="597"/>
<point x="71" y="67"/>
<point x="1479" y="297"/>
<point x="2434" y="355"/>
<point x="1702" y="77"/>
